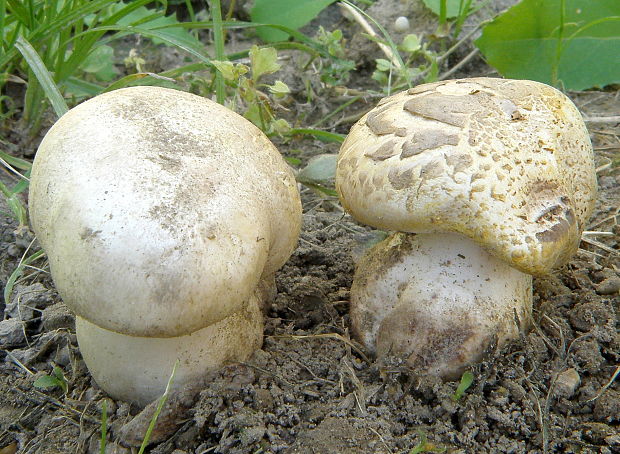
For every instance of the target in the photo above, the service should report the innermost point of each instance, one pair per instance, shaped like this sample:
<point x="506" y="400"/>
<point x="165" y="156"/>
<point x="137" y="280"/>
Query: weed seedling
<point x="466" y="381"/>
<point x="56" y="380"/>
<point x="248" y="94"/>
<point x="425" y="445"/>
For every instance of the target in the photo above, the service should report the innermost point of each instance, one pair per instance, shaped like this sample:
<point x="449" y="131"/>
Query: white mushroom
<point x="401" y="24"/>
<point x="164" y="216"/>
<point x="494" y="181"/>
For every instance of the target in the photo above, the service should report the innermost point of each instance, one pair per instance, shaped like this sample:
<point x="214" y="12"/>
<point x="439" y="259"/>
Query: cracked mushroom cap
<point x="508" y="163"/>
<point x="160" y="211"/>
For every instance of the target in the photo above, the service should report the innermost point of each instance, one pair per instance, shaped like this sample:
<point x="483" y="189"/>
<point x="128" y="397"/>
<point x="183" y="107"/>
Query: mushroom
<point x="486" y="182"/>
<point x="164" y="217"/>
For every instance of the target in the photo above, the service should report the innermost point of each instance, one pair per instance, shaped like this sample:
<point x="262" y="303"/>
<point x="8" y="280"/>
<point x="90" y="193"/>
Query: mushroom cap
<point x="160" y="210"/>
<point x="507" y="163"/>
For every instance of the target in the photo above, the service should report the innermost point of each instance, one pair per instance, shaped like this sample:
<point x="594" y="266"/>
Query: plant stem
<point x="218" y="38"/>
<point x="558" y="47"/>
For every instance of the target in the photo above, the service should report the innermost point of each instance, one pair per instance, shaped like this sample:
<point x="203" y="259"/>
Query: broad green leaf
<point x="530" y="41"/>
<point x="291" y="13"/>
<point x="452" y="7"/>
<point x="100" y="62"/>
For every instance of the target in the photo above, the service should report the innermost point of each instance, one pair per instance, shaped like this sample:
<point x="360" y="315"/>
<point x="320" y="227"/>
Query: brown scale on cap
<point x="513" y="156"/>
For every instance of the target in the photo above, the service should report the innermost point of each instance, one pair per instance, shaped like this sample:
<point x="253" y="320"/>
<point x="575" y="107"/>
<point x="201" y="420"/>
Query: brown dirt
<point x="310" y="389"/>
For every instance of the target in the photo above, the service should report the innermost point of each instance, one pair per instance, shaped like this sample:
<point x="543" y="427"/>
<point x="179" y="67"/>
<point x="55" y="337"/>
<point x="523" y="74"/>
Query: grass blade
<point x="160" y="406"/>
<point x="104" y="426"/>
<point x="8" y="289"/>
<point x="326" y="136"/>
<point x="43" y="76"/>
<point x="19" y="163"/>
<point x="173" y="41"/>
<point x="147" y="77"/>
<point x="50" y="30"/>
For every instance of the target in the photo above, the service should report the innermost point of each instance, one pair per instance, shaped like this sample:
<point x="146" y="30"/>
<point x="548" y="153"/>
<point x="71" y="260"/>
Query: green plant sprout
<point x="337" y="70"/>
<point x="248" y="94"/>
<point x="467" y="380"/>
<point x="56" y="380"/>
<point x="152" y="423"/>
<point x="425" y="446"/>
<point x="419" y="60"/>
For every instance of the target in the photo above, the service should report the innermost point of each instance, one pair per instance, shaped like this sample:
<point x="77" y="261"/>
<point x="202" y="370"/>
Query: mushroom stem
<point x="437" y="302"/>
<point x="136" y="369"/>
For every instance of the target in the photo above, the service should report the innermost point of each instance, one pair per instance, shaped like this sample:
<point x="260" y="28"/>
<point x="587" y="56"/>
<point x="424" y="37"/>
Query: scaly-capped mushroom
<point x="164" y="217"/>
<point x="494" y="181"/>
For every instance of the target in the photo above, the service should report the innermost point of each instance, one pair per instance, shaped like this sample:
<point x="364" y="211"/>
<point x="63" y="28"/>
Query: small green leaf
<point x="411" y="43"/>
<point x="227" y="68"/>
<point x="279" y="88"/>
<point x="292" y="161"/>
<point x="231" y="71"/>
<point x="58" y="373"/>
<point x="383" y="65"/>
<point x="263" y="61"/>
<point x="466" y="381"/>
<point x="280" y="126"/>
<point x="532" y="41"/>
<point x="292" y="14"/>
<point x="254" y="115"/>
<point x="46" y="382"/>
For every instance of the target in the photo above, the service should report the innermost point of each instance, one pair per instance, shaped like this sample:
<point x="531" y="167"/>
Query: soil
<point x="311" y="388"/>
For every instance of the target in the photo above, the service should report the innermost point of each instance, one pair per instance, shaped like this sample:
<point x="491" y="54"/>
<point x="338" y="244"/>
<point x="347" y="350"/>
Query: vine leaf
<point x="567" y="43"/>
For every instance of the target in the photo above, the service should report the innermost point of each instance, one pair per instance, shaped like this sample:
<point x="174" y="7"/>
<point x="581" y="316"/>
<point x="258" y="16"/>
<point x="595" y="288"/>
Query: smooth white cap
<point x="160" y="210"/>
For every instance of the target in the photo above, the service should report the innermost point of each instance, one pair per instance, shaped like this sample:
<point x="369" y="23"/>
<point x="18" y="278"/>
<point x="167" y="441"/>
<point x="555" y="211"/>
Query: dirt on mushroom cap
<point x="152" y="201"/>
<point x="506" y="163"/>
